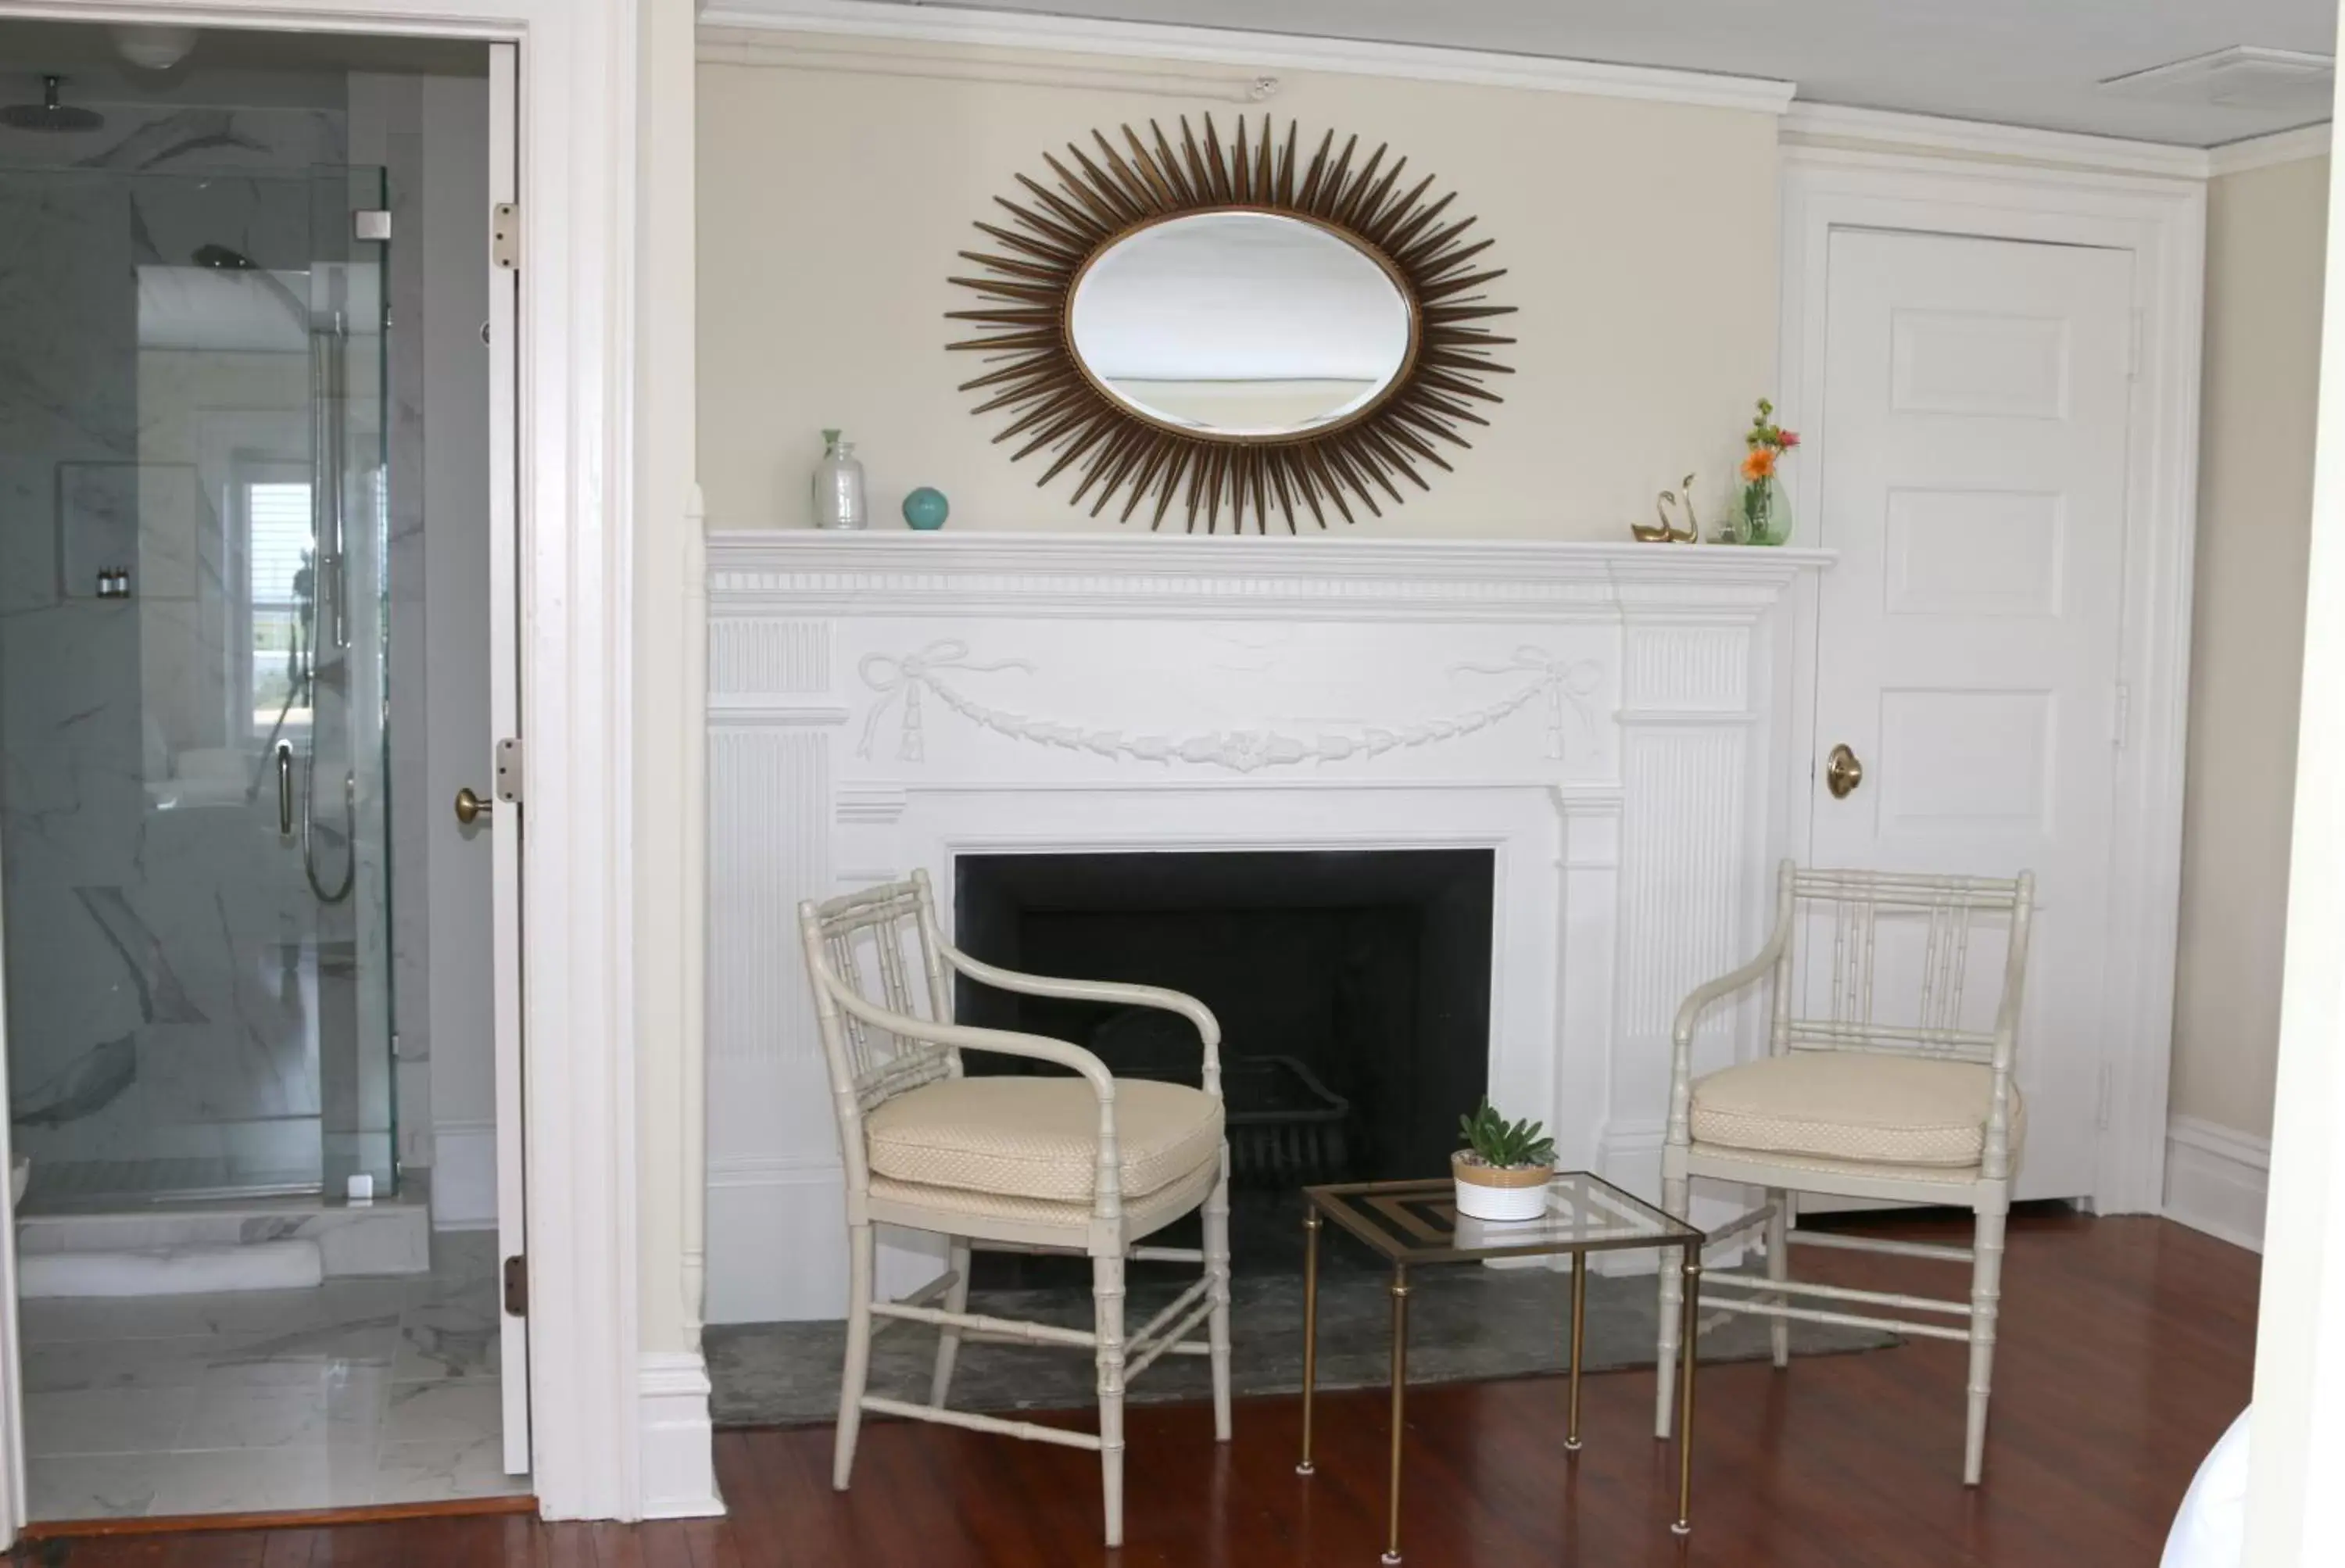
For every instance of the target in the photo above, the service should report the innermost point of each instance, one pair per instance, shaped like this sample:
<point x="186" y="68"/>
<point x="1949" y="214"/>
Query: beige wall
<point x="669" y="823"/>
<point x="2265" y="246"/>
<point x="1641" y="239"/>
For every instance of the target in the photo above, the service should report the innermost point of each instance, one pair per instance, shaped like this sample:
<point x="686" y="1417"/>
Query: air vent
<point x="2241" y="77"/>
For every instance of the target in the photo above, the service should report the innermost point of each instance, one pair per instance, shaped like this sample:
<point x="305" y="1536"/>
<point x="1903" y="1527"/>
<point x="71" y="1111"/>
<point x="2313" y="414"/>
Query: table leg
<point x="1310" y="1328"/>
<point x="1692" y="1322"/>
<point x="1579" y="1337"/>
<point x="1399" y="1387"/>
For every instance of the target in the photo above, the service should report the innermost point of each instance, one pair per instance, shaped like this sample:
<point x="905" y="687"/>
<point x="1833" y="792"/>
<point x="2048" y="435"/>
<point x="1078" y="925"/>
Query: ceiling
<point x="2014" y="62"/>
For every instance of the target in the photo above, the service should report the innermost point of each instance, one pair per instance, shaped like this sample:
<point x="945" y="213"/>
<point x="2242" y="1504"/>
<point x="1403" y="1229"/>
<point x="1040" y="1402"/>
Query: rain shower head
<point x="228" y="259"/>
<point x="49" y="116"/>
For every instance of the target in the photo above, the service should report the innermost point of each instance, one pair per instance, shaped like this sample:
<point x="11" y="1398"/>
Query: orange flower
<point x="1759" y="464"/>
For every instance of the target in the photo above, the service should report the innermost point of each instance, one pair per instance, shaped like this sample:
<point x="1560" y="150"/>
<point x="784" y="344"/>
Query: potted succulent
<point x="1502" y="1171"/>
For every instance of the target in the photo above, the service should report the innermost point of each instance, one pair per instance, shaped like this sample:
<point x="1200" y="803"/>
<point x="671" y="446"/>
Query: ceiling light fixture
<point x="154" y="48"/>
<point x="2243" y="77"/>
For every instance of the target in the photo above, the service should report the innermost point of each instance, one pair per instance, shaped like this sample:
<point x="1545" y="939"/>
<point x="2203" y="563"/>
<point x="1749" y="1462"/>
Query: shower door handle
<point x="285" y="790"/>
<point x="470" y="807"/>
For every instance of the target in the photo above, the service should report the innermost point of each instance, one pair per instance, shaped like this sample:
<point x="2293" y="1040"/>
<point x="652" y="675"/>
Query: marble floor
<point x="361" y="1391"/>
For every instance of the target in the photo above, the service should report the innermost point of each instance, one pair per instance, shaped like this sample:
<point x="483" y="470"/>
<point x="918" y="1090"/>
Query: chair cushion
<point x="957" y="1211"/>
<point x="1038" y="1137"/>
<point x="1866" y="1107"/>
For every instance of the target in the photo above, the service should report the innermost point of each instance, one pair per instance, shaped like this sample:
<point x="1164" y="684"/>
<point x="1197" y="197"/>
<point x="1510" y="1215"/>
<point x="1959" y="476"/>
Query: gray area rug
<point x="1466" y="1325"/>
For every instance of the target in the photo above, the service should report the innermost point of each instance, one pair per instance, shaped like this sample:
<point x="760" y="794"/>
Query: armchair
<point x="1919" y="1106"/>
<point x="1085" y="1164"/>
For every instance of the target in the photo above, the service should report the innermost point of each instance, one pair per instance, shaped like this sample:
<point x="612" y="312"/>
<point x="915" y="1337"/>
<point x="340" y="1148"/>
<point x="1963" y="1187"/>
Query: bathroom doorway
<point x="257" y="541"/>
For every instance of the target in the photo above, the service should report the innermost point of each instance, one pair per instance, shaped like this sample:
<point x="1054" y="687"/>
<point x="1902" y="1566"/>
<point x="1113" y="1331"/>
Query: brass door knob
<point x="1843" y="772"/>
<point x="470" y="807"/>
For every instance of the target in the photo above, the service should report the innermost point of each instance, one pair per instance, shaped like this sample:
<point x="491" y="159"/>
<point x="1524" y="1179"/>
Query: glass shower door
<point x="194" y="804"/>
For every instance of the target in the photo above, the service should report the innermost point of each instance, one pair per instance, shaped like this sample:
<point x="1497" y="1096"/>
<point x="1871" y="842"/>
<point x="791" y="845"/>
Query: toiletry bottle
<point x="838" y="485"/>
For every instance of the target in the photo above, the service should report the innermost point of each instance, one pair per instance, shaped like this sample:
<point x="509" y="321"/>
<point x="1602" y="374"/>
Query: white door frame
<point x="576" y="390"/>
<point x="2163" y="222"/>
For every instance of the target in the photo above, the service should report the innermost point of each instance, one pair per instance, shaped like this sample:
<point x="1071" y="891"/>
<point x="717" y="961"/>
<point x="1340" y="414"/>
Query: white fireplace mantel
<point x="1188" y="574"/>
<point x="1601" y="716"/>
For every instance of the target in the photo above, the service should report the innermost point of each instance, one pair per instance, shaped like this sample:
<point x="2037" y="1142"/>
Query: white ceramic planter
<point x="1486" y="1192"/>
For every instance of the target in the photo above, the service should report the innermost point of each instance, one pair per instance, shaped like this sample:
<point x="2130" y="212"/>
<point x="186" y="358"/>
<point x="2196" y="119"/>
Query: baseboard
<point x="2216" y="1180"/>
<point x="464" y="1176"/>
<point x="679" y="1465"/>
<point x="776" y="1240"/>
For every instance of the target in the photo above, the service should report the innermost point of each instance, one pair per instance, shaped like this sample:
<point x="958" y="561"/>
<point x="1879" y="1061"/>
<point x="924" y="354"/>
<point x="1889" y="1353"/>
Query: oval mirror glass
<point x="1240" y="325"/>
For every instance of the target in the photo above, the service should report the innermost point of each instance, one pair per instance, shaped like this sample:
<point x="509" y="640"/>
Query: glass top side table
<point x="1412" y="1223"/>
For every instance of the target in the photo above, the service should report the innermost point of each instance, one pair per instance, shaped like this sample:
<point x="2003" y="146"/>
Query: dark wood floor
<point x="2127" y="1348"/>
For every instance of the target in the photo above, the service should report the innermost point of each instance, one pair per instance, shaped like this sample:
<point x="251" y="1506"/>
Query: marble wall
<point x="173" y="982"/>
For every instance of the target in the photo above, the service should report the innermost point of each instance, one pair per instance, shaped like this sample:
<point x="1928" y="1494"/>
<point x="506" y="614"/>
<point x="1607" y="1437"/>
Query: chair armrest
<point x="1689" y="1012"/>
<point x="1698" y="1000"/>
<point x="1209" y="1028"/>
<point x="970" y="1037"/>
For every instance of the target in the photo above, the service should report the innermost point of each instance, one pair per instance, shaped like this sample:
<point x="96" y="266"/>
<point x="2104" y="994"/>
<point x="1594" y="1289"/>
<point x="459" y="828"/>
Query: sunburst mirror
<point x="1237" y="330"/>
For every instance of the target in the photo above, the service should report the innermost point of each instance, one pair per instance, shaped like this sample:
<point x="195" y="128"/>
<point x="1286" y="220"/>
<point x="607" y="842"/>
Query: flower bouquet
<point x="1761" y="512"/>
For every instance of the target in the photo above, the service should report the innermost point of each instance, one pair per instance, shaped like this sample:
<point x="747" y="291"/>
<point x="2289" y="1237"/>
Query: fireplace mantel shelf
<point x="1071" y="573"/>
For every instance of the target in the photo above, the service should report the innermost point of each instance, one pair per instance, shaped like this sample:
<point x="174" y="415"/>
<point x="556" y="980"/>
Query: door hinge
<point x="517" y="1286"/>
<point x="2107" y="1092"/>
<point x="509" y="769"/>
<point x="370" y="223"/>
<point x="2121" y="716"/>
<point x="504" y="236"/>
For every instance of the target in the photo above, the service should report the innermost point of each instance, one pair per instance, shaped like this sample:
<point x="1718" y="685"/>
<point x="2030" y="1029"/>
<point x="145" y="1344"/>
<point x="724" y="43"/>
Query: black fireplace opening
<point x="1353" y="989"/>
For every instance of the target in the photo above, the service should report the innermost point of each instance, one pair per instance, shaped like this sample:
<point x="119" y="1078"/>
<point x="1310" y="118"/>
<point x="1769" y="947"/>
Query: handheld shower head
<point x="50" y="118"/>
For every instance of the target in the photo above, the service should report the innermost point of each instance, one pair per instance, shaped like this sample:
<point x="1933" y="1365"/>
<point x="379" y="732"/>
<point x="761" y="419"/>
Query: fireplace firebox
<point x="1353" y="989"/>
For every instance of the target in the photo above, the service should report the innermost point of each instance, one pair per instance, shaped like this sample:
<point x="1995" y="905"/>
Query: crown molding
<point x="804" y="52"/>
<point x="1805" y="122"/>
<point x="1255" y="52"/>
<point x="2264" y="152"/>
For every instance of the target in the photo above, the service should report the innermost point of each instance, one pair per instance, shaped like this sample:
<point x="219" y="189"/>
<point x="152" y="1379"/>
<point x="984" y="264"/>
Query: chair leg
<point x="1665" y="1365"/>
<point x="1779" y="1267"/>
<point x="949" y="1341"/>
<point x="1217" y="1270"/>
<point x="1986" y="1292"/>
<point x="1107" y="1301"/>
<point x="858" y="1353"/>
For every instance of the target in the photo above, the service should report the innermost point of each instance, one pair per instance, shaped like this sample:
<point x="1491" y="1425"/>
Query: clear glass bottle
<point x="838" y="485"/>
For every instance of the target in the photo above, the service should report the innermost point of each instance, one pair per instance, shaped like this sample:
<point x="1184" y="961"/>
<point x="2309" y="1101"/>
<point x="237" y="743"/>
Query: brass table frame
<point x="1415" y="1223"/>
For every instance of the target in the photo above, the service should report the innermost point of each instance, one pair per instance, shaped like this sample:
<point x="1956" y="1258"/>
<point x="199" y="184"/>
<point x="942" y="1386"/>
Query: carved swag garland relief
<point x="900" y="679"/>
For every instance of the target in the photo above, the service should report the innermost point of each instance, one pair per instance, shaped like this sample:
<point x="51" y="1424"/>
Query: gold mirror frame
<point x="1057" y="403"/>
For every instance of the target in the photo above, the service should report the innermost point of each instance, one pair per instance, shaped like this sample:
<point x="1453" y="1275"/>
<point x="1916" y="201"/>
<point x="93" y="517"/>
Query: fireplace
<point x="1516" y="795"/>
<point x="1353" y="989"/>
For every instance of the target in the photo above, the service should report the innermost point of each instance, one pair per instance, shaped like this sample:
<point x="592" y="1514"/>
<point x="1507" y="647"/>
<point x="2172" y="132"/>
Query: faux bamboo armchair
<point x="1919" y="1109"/>
<point x="1084" y="1164"/>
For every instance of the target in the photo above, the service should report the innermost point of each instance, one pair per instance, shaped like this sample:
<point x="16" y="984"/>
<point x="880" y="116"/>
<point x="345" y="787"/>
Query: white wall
<point x="1640" y="239"/>
<point x="2265" y="246"/>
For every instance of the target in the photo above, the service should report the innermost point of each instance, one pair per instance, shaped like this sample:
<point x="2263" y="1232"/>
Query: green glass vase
<point x="1762" y="513"/>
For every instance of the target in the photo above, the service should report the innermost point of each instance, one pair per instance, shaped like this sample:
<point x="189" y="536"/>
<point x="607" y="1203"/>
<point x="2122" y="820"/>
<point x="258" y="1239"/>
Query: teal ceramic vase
<point x="926" y="509"/>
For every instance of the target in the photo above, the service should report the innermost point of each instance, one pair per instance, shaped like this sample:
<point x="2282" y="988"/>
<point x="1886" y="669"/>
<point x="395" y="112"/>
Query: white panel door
<point x="505" y="720"/>
<point x="1973" y="467"/>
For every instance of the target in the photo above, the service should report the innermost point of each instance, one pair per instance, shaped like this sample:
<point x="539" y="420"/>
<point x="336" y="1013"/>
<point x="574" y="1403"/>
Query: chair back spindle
<point x="1882" y="961"/>
<point x="870" y="945"/>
